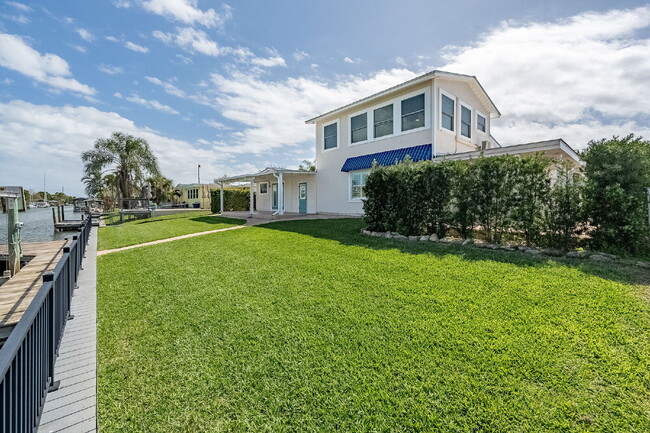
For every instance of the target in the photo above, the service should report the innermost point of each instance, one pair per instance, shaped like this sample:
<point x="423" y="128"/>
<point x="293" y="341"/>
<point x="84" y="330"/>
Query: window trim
<point x="397" y="117"/>
<point x="369" y="126"/>
<point x="391" y="103"/>
<point x="462" y="104"/>
<point x="453" y="98"/>
<point x="478" y="131"/>
<point x="260" y="188"/>
<point x="350" y="175"/>
<point x="338" y="134"/>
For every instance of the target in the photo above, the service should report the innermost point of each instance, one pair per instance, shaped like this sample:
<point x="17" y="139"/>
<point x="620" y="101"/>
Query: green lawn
<point x="153" y="229"/>
<point x="310" y="326"/>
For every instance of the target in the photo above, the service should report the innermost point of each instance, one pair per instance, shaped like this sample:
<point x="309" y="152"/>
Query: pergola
<point x="275" y="171"/>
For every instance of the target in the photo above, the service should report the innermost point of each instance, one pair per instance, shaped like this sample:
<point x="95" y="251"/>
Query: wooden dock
<point x="17" y="293"/>
<point x="69" y="225"/>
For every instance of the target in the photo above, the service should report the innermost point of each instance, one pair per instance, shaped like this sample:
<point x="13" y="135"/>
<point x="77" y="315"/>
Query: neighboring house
<point x="196" y="195"/>
<point x="438" y="115"/>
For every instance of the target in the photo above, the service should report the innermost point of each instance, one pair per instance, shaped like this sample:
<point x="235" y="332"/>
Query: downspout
<point x="434" y="114"/>
<point x="250" y="212"/>
<point x="221" y="198"/>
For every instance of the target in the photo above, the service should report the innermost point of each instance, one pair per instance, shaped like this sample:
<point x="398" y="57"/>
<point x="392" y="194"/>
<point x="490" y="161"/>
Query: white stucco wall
<point x="291" y="183"/>
<point x="334" y="192"/>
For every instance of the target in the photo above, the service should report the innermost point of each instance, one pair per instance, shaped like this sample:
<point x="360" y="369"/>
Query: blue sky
<point x="229" y="85"/>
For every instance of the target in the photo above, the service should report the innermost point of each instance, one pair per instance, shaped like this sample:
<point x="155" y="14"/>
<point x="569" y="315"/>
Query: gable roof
<point x="470" y="79"/>
<point x="389" y="157"/>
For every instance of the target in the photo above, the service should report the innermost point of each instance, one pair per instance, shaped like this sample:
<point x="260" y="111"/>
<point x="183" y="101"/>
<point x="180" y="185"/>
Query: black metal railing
<point x="27" y="357"/>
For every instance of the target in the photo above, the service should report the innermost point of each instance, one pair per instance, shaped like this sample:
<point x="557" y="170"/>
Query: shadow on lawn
<point x="347" y="232"/>
<point x="207" y="219"/>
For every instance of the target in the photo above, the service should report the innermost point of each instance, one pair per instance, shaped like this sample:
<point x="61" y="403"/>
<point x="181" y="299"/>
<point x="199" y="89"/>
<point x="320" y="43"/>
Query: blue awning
<point x="390" y="157"/>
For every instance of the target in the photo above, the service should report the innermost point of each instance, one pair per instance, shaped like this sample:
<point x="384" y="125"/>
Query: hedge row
<point x="235" y="199"/>
<point x="503" y="195"/>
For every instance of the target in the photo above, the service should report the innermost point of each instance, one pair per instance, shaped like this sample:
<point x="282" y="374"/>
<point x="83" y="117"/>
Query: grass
<point x="153" y="229"/>
<point x="309" y="326"/>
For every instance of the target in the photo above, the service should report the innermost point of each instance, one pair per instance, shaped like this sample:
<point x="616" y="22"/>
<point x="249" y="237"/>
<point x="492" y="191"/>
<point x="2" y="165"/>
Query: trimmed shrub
<point x="618" y="173"/>
<point x="564" y="212"/>
<point x="234" y="199"/>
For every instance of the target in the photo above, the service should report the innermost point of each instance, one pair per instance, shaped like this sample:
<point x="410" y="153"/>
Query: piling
<point x="54" y="218"/>
<point x="62" y="212"/>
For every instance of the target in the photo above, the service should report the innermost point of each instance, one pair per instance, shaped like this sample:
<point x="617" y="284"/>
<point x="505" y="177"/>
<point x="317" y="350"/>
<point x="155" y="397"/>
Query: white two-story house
<point x="438" y="115"/>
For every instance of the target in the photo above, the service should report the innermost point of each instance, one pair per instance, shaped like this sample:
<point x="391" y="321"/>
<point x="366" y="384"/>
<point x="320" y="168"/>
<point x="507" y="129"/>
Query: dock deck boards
<point x="73" y="407"/>
<point x="17" y="293"/>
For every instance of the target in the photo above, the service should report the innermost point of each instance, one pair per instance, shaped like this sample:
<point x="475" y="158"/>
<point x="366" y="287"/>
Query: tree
<point x="162" y="188"/>
<point x="93" y="183"/>
<point x="130" y="158"/>
<point x="307" y="165"/>
<point x="617" y="175"/>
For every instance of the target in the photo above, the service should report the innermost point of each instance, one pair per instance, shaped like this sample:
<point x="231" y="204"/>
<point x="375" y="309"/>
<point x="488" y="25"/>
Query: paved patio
<point x="265" y="217"/>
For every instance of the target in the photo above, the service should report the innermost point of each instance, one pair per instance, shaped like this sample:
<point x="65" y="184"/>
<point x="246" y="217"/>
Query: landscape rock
<point x="394" y="234"/>
<point x="601" y="258"/>
<point x="577" y="254"/>
<point x="468" y="241"/>
<point x="532" y="251"/>
<point x="399" y="237"/>
<point x="424" y="238"/>
<point x="553" y="252"/>
<point x="609" y="256"/>
<point x="365" y="232"/>
<point x="434" y="238"/>
<point x="388" y="235"/>
<point x="644" y="265"/>
<point x="414" y="238"/>
<point x="456" y="241"/>
<point x="443" y="240"/>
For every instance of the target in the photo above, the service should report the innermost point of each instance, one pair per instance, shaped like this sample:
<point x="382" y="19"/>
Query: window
<point x="383" y="121"/>
<point x="448" y="109"/>
<point x="413" y="112"/>
<point x="192" y="193"/>
<point x="465" y="121"/>
<point x="357" y="182"/>
<point x="359" y="128"/>
<point x="264" y="187"/>
<point x="480" y="123"/>
<point x="330" y="136"/>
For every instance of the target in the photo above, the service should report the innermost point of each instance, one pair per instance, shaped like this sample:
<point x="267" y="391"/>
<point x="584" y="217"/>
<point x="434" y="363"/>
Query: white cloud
<point x="112" y="39"/>
<point x="49" y="68"/>
<point x="578" y="78"/>
<point x="52" y="138"/>
<point x="187" y="12"/>
<point x="78" y="48"/>
<point x="110" y="70"/>
<point x="168" y="87"/>
<point x="348" y="60"/>
<point x="121" y="4"/>
<point x="184" y="59"/>
<point x="299" y="55"/>
<point x="20" y="6"/>
<point x="135" y="47"/>
<point x="214" y="124"/>
<point x="7" y="81"/>
<point x="20" y="19"/>
<point x="268" y="62"/>
<point x="191" y="40"/>
<point x="151" y="103"/>
<point x="273" y="112"/>
<point x="85" y="34"/>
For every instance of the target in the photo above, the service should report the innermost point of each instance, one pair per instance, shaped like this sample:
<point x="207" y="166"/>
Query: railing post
<point x="51" y="352"/>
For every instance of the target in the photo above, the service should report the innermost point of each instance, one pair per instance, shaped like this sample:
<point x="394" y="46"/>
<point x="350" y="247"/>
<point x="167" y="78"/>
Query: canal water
<point x="39" y="226"/>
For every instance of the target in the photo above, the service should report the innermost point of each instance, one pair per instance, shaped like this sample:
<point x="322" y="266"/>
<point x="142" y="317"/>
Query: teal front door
<point x="274" y="196"/>
<point x="302" y="197"/>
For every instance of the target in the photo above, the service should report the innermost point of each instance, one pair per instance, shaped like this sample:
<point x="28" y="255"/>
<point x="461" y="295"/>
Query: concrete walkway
<point x="161" y="241"/>
<point x="73" y="407"/>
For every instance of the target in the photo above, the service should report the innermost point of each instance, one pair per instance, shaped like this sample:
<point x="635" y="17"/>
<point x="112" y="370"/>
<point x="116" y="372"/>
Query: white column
<point x="221" y="198"/>
<point x="280" y="195"/>
<point x="252" y="191"/>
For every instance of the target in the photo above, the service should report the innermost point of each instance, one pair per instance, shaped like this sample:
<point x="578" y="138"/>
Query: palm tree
<point x="93" y="183"/>
<point x="162" y="188"/>
<point x="130" y="158"/>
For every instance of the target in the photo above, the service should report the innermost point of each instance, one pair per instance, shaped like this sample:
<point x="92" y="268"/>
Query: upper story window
<point x="413" y="112"/>
<point x="465" y="121"/>
<point x="447" y="112"/>
<point x="480" y="123"/>
<point x="359" y="128"/>
<point x="383" y="121"/>
<point x="330" y="136"/>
